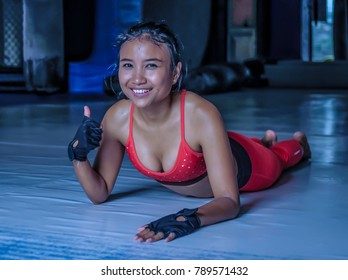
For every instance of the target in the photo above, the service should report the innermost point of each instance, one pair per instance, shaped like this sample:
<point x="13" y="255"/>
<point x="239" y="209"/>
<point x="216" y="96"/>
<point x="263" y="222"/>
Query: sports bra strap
<point x="131" y="121"/>
<point x="182" y="113"/>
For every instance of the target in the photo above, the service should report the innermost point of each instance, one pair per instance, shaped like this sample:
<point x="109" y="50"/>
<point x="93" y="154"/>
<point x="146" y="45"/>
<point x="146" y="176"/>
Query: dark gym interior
<point x="266" y="64"/>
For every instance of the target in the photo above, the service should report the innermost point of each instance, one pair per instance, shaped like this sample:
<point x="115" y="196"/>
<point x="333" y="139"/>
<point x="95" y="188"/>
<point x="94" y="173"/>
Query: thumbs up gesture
<point x="86" y="138"/>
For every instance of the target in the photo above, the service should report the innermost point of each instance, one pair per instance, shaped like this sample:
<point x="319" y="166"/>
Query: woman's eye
<point x="151" y="65"/>
<point x="127" y="65"/>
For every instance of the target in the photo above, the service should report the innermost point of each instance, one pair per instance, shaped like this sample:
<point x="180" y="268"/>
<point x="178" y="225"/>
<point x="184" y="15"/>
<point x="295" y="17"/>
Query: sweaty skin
<point x="146" y="76"/>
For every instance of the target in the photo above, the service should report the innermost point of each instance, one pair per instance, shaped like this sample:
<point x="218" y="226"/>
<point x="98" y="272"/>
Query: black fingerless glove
<point x="169" y="224"/>
<point x="86" y="139"/>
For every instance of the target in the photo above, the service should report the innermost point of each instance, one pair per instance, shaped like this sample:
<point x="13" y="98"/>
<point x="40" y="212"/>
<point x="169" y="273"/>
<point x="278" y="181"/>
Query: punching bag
<point x="340" y="30"/>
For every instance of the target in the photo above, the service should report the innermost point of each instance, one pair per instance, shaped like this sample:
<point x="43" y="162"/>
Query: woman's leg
<point x="301" y="137"/>
<point x="269" y="163"/>
<point x="268" y="140"/>
<point x="292" y="151"/>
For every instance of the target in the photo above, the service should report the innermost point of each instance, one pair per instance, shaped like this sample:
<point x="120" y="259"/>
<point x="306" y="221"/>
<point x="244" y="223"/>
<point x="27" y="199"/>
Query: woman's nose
<point x="139" y="77"/>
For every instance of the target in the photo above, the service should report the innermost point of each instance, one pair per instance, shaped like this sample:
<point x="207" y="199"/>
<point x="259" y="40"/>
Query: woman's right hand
<point x="86" y="138"/>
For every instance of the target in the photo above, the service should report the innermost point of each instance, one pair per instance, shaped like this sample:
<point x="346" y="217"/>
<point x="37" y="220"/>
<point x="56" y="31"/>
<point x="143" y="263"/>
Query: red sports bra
<point x="189" y="164"/>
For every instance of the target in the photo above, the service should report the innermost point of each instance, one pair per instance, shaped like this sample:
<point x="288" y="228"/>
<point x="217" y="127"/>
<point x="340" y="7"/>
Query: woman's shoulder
<point x="118" y="111"/>
<point x="202" y="118"/>
<point x="117" y="116"/>
<point x="199" y="107"/>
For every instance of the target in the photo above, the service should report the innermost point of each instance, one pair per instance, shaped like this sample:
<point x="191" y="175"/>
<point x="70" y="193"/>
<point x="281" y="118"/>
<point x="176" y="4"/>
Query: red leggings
<point x="267" y="164"/>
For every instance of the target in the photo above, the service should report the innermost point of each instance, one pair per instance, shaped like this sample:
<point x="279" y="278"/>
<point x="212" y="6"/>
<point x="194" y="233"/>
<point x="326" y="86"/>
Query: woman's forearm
<point x="92" y="183"/>
<point x="218" y="210"/>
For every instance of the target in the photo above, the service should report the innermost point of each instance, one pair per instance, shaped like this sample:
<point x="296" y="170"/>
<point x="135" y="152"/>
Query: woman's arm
<point x="98" y="181"/>
<point x="221" y="167"/>
<point x="205" y="130"/>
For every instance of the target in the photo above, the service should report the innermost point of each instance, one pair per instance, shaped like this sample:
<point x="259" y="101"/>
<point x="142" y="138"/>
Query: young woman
<point x="175" y="137"/>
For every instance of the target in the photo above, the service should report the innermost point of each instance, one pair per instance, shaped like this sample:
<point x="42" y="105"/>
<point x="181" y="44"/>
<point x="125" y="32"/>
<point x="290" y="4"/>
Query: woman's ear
<point x="177" y="72"/>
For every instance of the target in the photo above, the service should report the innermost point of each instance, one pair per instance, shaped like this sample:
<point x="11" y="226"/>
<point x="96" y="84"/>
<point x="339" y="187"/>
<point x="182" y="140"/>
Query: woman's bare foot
<point x="269" y="139"/>
<point x="301" y="137"/>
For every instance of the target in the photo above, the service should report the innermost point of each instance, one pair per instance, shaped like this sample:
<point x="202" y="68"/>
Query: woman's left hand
<point x="170" y="227"/>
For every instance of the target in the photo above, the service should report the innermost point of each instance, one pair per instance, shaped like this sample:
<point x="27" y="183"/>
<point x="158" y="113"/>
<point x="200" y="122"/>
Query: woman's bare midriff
<point x="201" y="188"/>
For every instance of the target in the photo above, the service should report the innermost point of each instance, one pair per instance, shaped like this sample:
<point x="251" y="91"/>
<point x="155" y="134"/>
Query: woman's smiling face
<point x="145" y="72"/>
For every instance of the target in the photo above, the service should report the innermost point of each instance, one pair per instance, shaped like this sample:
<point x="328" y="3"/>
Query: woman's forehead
<point x="144" y="45"/>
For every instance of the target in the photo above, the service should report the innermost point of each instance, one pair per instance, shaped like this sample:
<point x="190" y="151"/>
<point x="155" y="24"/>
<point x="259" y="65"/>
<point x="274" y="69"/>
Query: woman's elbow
<point x="235" y="208"/>
<point x="98" y="200"/>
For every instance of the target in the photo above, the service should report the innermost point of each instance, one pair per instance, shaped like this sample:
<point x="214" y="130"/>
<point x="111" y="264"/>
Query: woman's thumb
<point x="86" y="111"/>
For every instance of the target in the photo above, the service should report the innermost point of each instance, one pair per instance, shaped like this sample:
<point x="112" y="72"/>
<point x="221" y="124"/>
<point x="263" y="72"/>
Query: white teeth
<point x="140" y="91"/>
